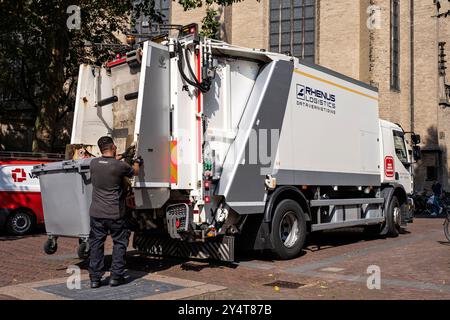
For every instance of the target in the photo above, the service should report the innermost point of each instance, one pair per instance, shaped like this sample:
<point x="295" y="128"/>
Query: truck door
<point x="402" y="160"/>
<point x="396" y="160"/>
<point x="151" y="187"/>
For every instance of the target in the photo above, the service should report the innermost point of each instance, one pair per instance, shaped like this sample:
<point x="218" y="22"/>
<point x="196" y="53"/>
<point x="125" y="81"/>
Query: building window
<point x="292" y="28"/>
<point x="432" y="173"/>
<point x="395" y="45"/>
<point x="144" y="25"/>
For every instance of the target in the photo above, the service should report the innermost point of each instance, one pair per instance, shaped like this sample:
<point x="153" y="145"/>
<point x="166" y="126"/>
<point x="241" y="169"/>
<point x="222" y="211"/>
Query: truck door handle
<point x="397" y="176"/>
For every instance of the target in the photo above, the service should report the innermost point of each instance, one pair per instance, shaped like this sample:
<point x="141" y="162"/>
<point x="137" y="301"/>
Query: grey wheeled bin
<point x="66" y="192"/>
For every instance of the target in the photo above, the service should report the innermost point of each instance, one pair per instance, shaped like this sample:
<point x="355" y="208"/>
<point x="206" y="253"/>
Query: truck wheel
<point x="393" y="218"/>
<point x="50" y="246"/>
<point x="288" y="232"/>
<point x="83" y="250"/>
<point x="20" y="223"/>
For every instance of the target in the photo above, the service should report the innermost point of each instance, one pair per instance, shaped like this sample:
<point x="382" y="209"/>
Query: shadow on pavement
<point x="336" y="238"/>
<point x="137" y="262"/>
<point x="317" y="241"/>
<point x="427" y="216"/>
<point x="4" y="236"/>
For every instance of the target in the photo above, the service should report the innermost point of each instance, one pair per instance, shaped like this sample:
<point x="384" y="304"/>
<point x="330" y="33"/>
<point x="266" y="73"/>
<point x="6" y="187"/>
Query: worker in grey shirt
<point x="107" y="211"/>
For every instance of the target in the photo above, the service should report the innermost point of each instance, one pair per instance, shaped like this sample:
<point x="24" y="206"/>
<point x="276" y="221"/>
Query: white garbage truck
<point x="244" y="147"/>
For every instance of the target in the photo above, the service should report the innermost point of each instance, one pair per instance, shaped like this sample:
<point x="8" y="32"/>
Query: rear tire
<point x="288" y="231"/>
<point x="20" y="223"/>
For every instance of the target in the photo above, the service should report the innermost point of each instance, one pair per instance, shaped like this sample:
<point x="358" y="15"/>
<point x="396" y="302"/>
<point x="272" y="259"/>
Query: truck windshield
<point x="400" y="147"/>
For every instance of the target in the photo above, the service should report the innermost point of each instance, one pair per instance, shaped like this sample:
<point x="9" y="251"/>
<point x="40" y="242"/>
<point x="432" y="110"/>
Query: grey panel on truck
<point x="151" y="186"/>
<point x="124" y="111"/>
<point x="242" y="184"/>
<point x="222" y="250"/>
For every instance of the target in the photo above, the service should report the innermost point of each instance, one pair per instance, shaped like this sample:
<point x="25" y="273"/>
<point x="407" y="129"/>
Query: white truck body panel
<point x="89" y="122"/>
<point x="340" y="141"/>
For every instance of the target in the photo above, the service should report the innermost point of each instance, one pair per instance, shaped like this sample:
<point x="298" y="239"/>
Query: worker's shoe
<point x="95" y="284"/>
<point x="117" y="281"/>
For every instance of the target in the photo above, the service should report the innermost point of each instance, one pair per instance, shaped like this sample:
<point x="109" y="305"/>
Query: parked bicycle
<point x="421" y="206"/>
<point x="424" y="203"/>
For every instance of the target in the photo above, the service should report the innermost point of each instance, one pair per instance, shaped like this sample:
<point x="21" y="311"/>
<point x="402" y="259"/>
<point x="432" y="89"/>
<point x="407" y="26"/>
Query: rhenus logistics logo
<point x="316" y="99"/>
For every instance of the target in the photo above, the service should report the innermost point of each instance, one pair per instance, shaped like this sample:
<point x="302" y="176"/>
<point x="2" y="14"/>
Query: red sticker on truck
<point x="389" y="167"/>
<point x="18" y="175"/>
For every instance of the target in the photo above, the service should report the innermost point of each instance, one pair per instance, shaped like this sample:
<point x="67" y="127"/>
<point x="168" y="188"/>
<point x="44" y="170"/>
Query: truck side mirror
<point x="416" y="139"/>
<point x="417" y="153"/>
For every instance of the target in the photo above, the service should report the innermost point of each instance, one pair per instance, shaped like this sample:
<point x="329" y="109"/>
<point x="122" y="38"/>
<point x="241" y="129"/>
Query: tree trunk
<point x="46" y="119"/>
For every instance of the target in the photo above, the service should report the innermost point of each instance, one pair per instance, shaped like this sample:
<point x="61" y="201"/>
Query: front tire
<point x="20" y="223"/>
<point x="393" y="218"/>
<point x="288" y="232"/>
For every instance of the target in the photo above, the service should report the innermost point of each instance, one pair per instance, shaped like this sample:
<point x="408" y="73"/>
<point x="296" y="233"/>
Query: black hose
<point x="190" y="67"/>
<point x="180" y="68"/>
<point x="203" y="87"/>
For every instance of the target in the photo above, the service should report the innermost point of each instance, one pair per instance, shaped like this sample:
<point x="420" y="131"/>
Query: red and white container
<point x="20" y="196"/>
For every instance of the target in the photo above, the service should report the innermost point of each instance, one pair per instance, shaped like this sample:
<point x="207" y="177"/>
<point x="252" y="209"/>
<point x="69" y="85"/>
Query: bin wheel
<point x="83" y="250"/>
<point x="50" y="246"/>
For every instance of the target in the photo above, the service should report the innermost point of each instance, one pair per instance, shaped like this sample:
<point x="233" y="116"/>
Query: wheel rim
<point x="21" y="222"/>
<point x="289" y="229"/>
<point x="397" y="216"/>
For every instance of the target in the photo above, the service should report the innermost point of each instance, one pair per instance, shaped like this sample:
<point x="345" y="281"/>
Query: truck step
<point x="215" y="249"/>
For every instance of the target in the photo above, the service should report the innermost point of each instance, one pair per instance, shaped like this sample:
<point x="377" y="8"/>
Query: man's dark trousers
<point x="100" y="228"/>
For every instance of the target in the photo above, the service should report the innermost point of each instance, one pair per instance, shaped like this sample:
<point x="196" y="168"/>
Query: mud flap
<point x="405" y="215"/>
<point x="217" y="249"/>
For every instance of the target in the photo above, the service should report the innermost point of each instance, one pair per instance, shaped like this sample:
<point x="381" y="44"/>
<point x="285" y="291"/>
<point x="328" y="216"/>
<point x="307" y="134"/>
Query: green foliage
<point x="40" y="56"/>
<point x="210" y="24"/>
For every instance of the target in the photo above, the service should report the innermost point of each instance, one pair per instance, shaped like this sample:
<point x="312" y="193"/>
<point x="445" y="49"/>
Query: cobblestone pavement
<point x="334" y="265"/>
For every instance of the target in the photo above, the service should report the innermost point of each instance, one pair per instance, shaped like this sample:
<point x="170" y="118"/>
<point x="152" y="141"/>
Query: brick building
<point x="392" y="44"/>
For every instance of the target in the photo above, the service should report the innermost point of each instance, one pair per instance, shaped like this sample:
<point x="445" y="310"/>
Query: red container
<point x="20" y="196"/>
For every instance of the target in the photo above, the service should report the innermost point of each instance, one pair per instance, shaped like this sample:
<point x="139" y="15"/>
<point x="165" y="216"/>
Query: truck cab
<point x="396" y="159"/>
<point x="398" y="156"/>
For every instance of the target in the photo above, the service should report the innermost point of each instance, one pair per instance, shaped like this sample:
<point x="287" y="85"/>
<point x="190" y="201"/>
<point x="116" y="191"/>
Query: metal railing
<point x="18" y="155"/>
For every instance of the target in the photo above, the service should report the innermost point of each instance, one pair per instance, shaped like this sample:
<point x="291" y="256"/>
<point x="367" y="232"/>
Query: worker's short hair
<point x="105" y="143"/>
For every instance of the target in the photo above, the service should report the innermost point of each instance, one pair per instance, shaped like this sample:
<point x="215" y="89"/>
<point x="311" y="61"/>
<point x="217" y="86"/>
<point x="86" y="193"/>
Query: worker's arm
<point x="138" y="162"/>
<point x="128" y="153"/>
<point x="136" y="169"/>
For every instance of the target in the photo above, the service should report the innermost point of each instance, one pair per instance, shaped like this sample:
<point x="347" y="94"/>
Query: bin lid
<point x="81" y="165"/>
